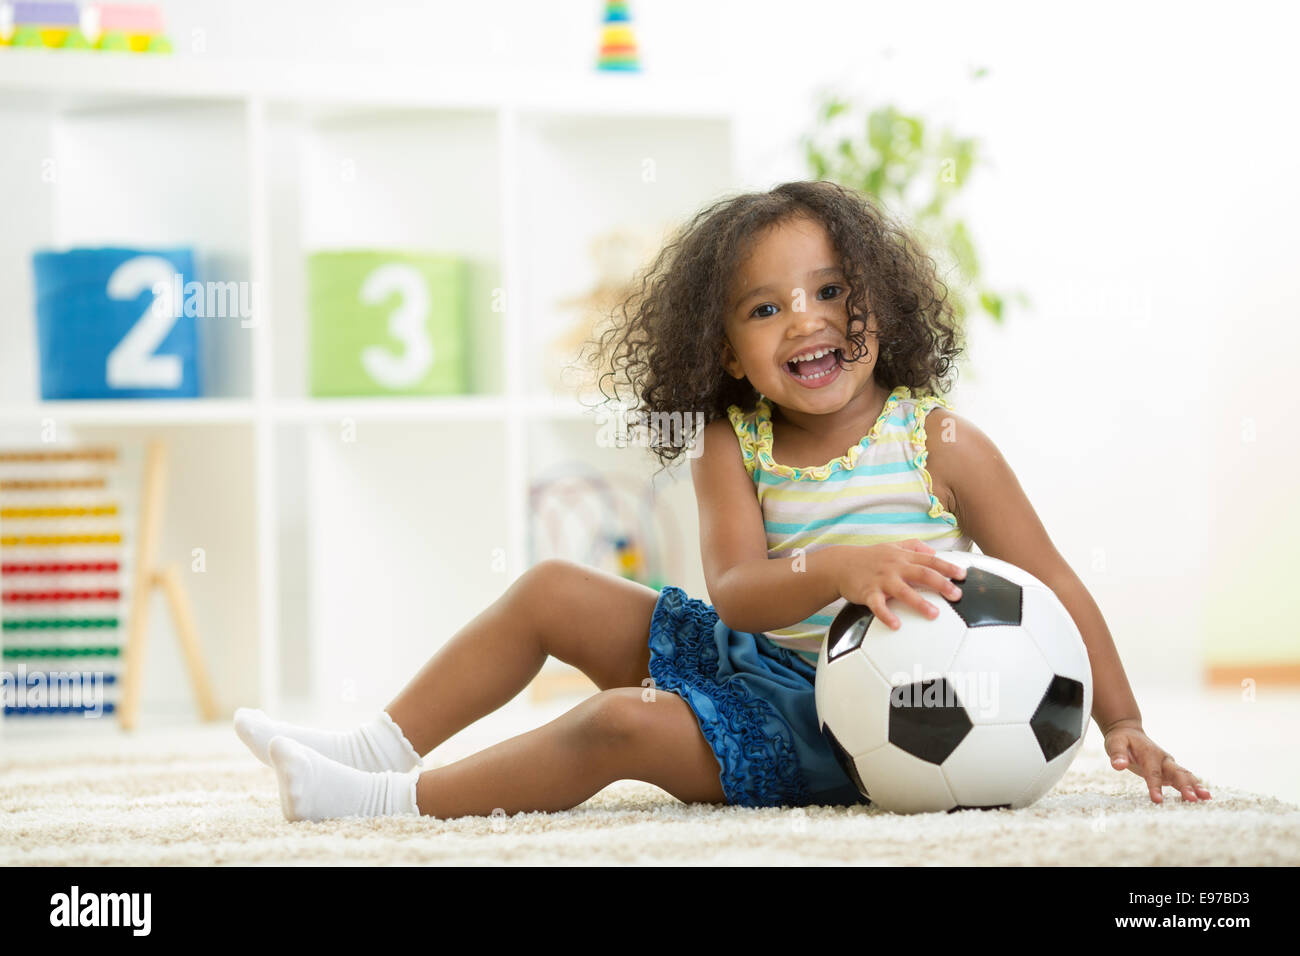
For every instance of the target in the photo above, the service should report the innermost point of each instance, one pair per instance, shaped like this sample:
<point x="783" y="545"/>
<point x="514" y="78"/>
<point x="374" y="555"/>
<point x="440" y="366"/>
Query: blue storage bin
<point x="99" y="332"/>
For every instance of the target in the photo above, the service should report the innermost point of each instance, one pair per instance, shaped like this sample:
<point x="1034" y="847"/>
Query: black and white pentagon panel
<point x="846" y="762"/>
<point x="927" y="719"/>
<point x="848" y="629"/>
<point x="988" y="600"/>
<point x="1059" y="720"/>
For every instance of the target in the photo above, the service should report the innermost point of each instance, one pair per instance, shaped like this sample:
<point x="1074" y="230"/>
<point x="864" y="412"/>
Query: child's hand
<point x="871" y="575"/>
<point x="1131" y="749"/>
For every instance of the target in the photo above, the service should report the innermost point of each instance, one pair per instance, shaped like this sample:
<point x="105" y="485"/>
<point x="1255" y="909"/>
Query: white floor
<point x="1219" y="735"/>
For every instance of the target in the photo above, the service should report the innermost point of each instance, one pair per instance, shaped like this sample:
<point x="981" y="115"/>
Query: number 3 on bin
<point x="407" y="324"/>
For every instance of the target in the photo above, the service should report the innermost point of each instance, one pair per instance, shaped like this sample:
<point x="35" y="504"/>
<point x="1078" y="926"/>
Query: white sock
<point x="313" y="787"/>
<point x="375" y="746"/>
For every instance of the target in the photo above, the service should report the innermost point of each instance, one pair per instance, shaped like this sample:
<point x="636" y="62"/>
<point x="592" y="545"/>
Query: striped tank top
<point x="879" y="491"/>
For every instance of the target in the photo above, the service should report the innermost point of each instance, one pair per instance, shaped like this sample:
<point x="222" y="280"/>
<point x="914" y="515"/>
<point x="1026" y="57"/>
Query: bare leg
<point x="613" y="735"/>
<point x="596" y="621"/>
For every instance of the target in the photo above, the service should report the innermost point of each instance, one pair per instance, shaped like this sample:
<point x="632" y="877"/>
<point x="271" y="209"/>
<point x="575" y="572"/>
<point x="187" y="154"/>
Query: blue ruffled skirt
<point x="754" y="701"/>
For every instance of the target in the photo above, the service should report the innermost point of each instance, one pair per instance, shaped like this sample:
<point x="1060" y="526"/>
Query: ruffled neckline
<point x="847" y="461"/>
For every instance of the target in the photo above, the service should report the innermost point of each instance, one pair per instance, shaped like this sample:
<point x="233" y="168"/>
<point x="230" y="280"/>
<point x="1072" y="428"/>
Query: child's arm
<point x="993" y="510"/>
<point x="732" y="535"/>
<point x="754" y="593"/>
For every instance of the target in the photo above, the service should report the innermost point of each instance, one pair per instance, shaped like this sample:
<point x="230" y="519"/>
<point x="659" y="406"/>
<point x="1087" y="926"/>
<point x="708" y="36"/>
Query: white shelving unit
<point x="345" y="536"/>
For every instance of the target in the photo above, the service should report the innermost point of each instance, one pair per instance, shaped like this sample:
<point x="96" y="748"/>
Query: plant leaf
<point x="992" y="303"/>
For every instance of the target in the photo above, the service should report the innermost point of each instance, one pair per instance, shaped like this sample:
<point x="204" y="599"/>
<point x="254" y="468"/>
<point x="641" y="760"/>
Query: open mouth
<point x="818" y="371"/>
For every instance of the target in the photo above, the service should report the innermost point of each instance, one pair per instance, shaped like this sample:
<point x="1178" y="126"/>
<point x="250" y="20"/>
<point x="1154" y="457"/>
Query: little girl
<point x="802" y="322"/>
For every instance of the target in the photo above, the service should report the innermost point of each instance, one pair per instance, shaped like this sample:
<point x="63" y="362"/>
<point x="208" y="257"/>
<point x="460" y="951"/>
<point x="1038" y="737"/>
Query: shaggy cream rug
<point x="198" y="798"/>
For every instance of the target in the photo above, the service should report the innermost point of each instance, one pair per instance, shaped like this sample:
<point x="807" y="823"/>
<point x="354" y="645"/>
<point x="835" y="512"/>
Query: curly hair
<point x="664" y="340"/>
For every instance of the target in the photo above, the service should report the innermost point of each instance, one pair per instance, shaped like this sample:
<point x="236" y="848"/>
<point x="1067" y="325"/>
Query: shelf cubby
<point x="347" y="537"/>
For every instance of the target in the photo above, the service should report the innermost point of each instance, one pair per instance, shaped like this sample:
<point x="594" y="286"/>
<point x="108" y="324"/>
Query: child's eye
<point x="765" y="305"/>
<point x="824" y="288"/>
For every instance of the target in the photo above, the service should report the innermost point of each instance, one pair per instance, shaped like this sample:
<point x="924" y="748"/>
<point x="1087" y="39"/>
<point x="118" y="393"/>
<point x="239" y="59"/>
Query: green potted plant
<point x="916" y="172"/>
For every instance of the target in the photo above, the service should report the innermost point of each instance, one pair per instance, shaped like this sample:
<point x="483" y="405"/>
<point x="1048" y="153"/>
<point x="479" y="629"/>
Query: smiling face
<point x="789" y="299"/>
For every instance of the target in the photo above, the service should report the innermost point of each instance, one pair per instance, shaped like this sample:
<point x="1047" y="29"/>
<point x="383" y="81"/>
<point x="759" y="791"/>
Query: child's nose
<point x="809" y="321"/>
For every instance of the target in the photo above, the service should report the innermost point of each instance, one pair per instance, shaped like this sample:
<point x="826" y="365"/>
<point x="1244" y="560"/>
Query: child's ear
<point x="730" y="362"/>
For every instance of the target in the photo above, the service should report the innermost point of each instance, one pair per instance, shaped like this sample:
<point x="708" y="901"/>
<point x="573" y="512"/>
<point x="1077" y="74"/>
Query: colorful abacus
<point x="63" y="591"/>
<point x="136" y="28"/>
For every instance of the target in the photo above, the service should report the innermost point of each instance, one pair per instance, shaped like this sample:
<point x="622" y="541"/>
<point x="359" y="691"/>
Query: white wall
<point x="1143" y="193"/>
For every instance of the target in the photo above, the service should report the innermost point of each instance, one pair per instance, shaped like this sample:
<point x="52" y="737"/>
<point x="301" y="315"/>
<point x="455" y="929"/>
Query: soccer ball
<point x="984" y="706"/>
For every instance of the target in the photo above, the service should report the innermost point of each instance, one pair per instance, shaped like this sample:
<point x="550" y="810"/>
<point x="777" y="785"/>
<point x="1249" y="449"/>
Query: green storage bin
<point x="388" y="323"/>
